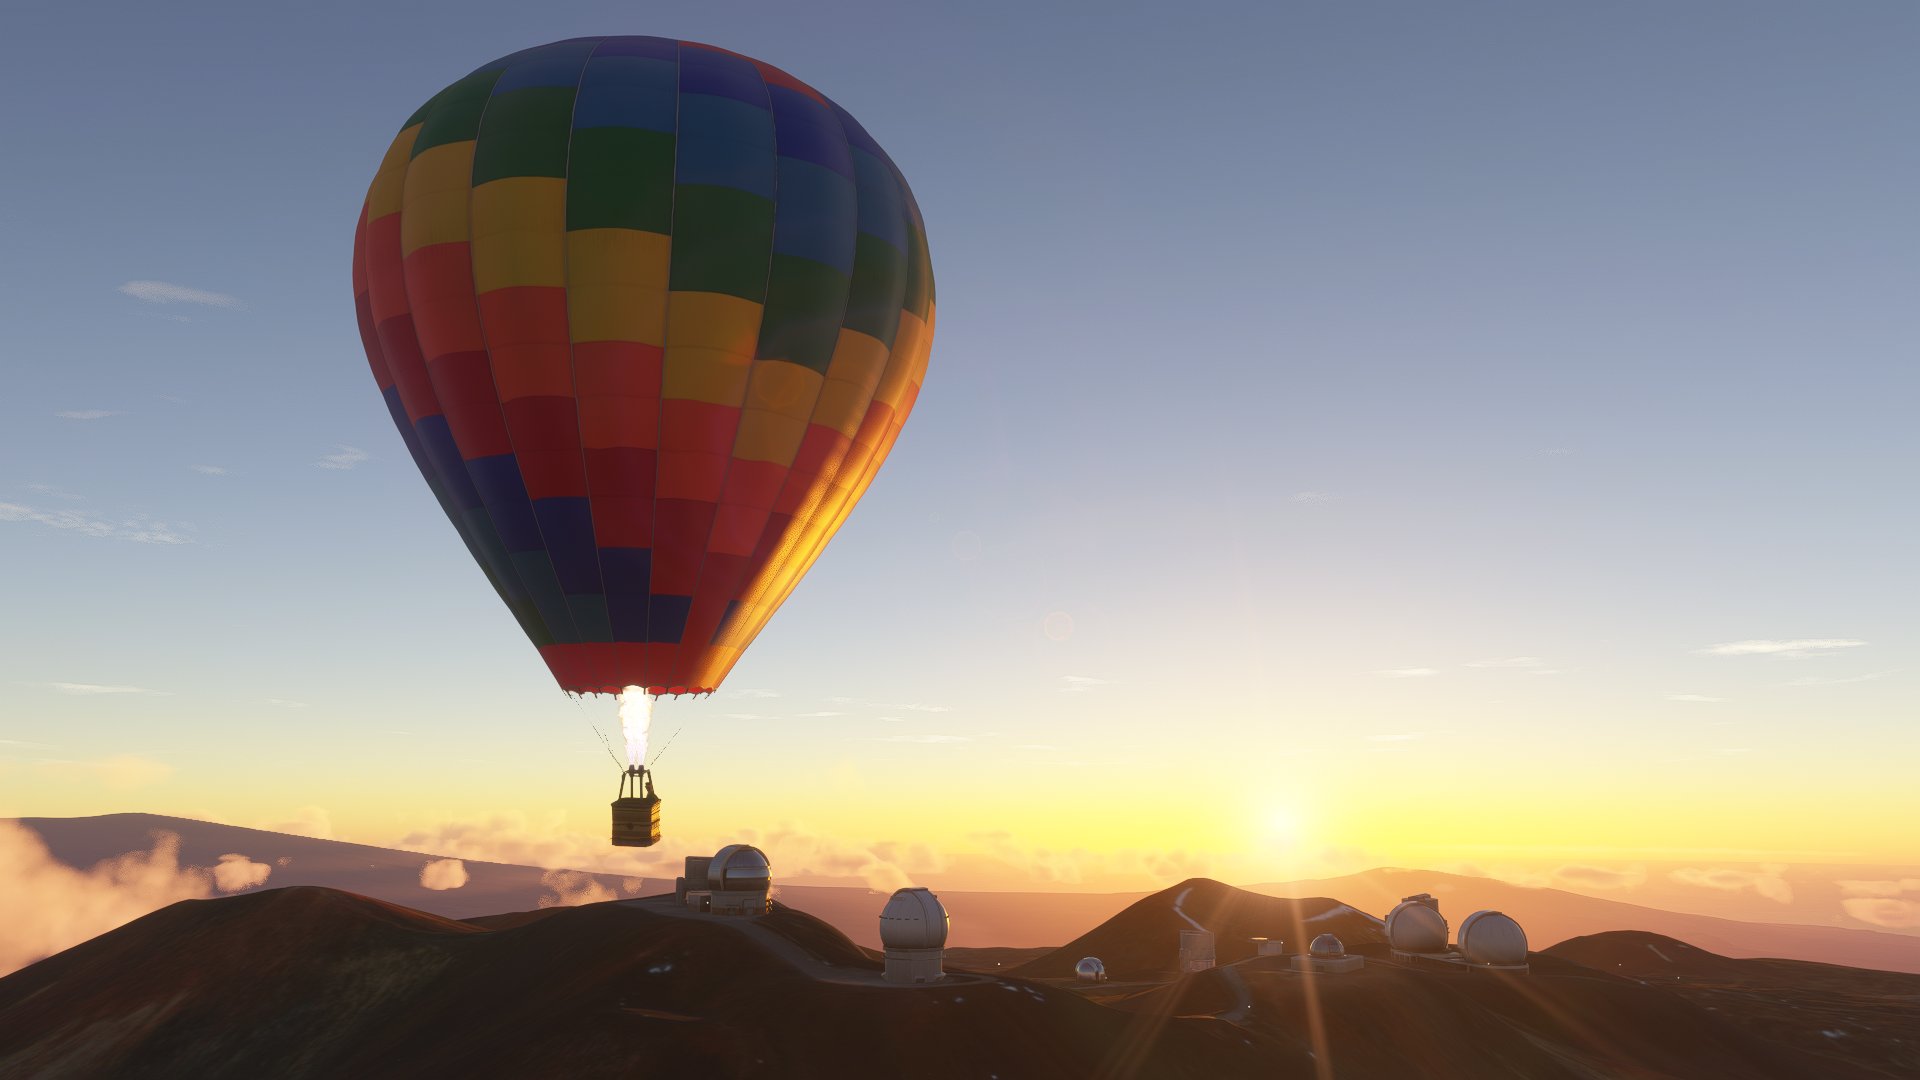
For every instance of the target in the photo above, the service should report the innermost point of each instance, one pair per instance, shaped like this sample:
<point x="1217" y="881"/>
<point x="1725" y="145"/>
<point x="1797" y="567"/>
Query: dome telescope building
<point x="1491" y="939"/>
<point x="1416" y="927"/>
<point x="1090" y="969"/>
<point x="913" y="928"/>
<point x="733" y="882"/>
<point x="1326" y="955"/>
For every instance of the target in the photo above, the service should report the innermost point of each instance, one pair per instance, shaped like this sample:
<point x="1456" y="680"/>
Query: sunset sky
<point x="1356" y="434"/>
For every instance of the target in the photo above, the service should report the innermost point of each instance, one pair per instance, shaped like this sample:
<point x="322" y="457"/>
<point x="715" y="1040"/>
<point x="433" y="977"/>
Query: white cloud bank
<point x="1788" y="647"/>
<point x="441" y="875"/>
<point x="1768" y="881"/>
<point x="47" y="906"/>
<point x="343" y="457"/>
<point x="164" y="292"/>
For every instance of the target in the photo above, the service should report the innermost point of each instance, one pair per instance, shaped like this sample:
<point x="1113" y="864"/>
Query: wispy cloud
<point x="1768" y="881"/>
<point x="211" y="470"/>
<point x="49" y="489"/>
<point x="92" y="689"/>
<point x="928" y="739"/>
<point x="164" y="292"/>
<point x="1508" y="662"/>
<point x="138" y="530"/>
<point x="1079" y="684"/>
<point x="1312" y="497"/>
<point x="1693" y="697"/>
<point x="819" y="714"/>
<point x="1407" y="672"/>
<point x="1788" y="647"/>
<point x="1817" y="680"/>
<point x="86" y="414"/>
<point x="343" y="457"/>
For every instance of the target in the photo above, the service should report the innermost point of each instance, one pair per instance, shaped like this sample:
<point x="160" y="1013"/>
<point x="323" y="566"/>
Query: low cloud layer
<point x="1767" y="881"/>
<point x="47" y="906"/>
<point x="1891" y="903"/>
<point x="441" y="875"/>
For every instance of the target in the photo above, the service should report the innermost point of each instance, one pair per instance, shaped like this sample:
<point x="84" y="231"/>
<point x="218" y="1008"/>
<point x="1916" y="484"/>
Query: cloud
<point x="310" y="821"/>
<point x="1508" y="662"/>
<point x="211" y="470"/>
<point x="930" y="739"/>
<point x="161" y="292"/>
<point x="1693" y="697"/>
<point x="237" y="873"/>
<point x="1817" y="680"/>
<point x="1311" y="497"/>
<point x="1407" y="672"/>
<point x="138" y="530"/>
<point x="1767" y="881"/>
<point x="121" y="771"/>
<point x="1858" y="887"/>
<point x="48" y="906"/>
<point x="1884" y="911"/>
<point x="86" y="414"/>
<point x="343" y="457"/>
<point x="1079" y="684"/>
<point x="443" y="874"/>
<point x="49" y="489"/>
<point x="1791" y="647"/>
<point x="751" y="693"/>
<point x="571" y="888"/>
<point x="89" y="689"/>
<point x="818" y="715"/>
<point x="1599" y="877"/>
<point x="1078" y="865"/>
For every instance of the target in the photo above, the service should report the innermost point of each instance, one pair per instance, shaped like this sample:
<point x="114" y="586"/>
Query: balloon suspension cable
<point x="669" y="742"/>
<point x="597" y="731"/>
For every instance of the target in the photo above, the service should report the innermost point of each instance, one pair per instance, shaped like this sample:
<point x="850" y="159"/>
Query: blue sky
<point x="1285" y="352"/>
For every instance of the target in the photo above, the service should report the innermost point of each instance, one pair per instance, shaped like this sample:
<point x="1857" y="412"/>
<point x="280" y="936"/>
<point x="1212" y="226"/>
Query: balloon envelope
<point x="649" y="315"/>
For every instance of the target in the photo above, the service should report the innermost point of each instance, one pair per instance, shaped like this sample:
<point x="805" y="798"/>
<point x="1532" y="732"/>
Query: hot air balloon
<point x="649" y="316"/>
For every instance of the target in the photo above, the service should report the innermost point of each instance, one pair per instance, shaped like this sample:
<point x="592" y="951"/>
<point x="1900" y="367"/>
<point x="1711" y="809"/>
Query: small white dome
<point x="913" y="919"/>
<point x="1327" y="945"/>
<point x="739" y="868"/>
<point x="1090" y="969"/>
<point x="1490" y="937"/>
<point x="1415" y="927"/>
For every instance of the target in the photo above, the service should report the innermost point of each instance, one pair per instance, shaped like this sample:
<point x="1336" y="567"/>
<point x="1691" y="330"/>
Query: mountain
<point x="1554" y="915"/>
<point x="310" y="982"/>
<point x="1143" y="941"/>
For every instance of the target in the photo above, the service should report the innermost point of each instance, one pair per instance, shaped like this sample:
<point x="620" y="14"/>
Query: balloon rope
<point x="669" y="742"/>
<point x="597" y="731"/>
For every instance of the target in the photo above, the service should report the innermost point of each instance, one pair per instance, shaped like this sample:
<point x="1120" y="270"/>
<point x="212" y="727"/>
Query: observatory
<point x="1090" y="969"/>
<point x="1415" y="927"/>
<point x="913" y="928"/>
<point x="734" y="881"/>
<point x="1492" y="939"/>
<point x="1196" y="950"/>
<point x="1326" y="955"/>
<point x="1266" y="946"/>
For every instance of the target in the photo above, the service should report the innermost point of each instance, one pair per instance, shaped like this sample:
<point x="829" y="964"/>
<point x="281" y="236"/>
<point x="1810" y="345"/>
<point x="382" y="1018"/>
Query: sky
<point x="1357" y="434"/>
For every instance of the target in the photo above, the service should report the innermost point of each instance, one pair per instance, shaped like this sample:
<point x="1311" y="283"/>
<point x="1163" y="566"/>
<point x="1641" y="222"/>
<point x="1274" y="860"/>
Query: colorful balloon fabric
<point x="649" y="316"/>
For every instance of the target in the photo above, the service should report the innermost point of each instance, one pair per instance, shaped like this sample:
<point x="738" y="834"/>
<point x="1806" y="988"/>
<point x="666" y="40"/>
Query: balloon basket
<point x="636" y="816"/>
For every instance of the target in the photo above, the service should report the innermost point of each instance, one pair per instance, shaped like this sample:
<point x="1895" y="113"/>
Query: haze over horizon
<point x="1357" y="436"/>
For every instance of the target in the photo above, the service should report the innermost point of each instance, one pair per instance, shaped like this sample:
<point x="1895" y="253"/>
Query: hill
<point x="1554" y="915"/>
<point x="1143" y="941"/>
<point x="308" y="982"/>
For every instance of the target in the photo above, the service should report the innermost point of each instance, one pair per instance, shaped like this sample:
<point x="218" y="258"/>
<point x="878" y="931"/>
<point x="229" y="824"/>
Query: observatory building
<point x="1415" y="927"/>
<point x="733" y="882"/>
<point x="1196" y="950"/>
<point x="1090" y="969"/>
<point x="1493" y="940"/>
<point x="1327" y="956"/>
<point x="913" y="928"/>
<point x="1268" y="946"/>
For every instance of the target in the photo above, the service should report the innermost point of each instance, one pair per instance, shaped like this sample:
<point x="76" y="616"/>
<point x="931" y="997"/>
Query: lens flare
<point x="636" y="716"/>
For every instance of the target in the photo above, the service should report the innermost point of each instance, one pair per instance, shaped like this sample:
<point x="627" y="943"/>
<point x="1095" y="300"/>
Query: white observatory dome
<point x="739" y="868"/>
<point x="913" y="919"/>
<point x="1327" y="945"/>
<point x="1489" y="937"/>
<point x="1090" y="969"/>
<point x="1415" y="927"/>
